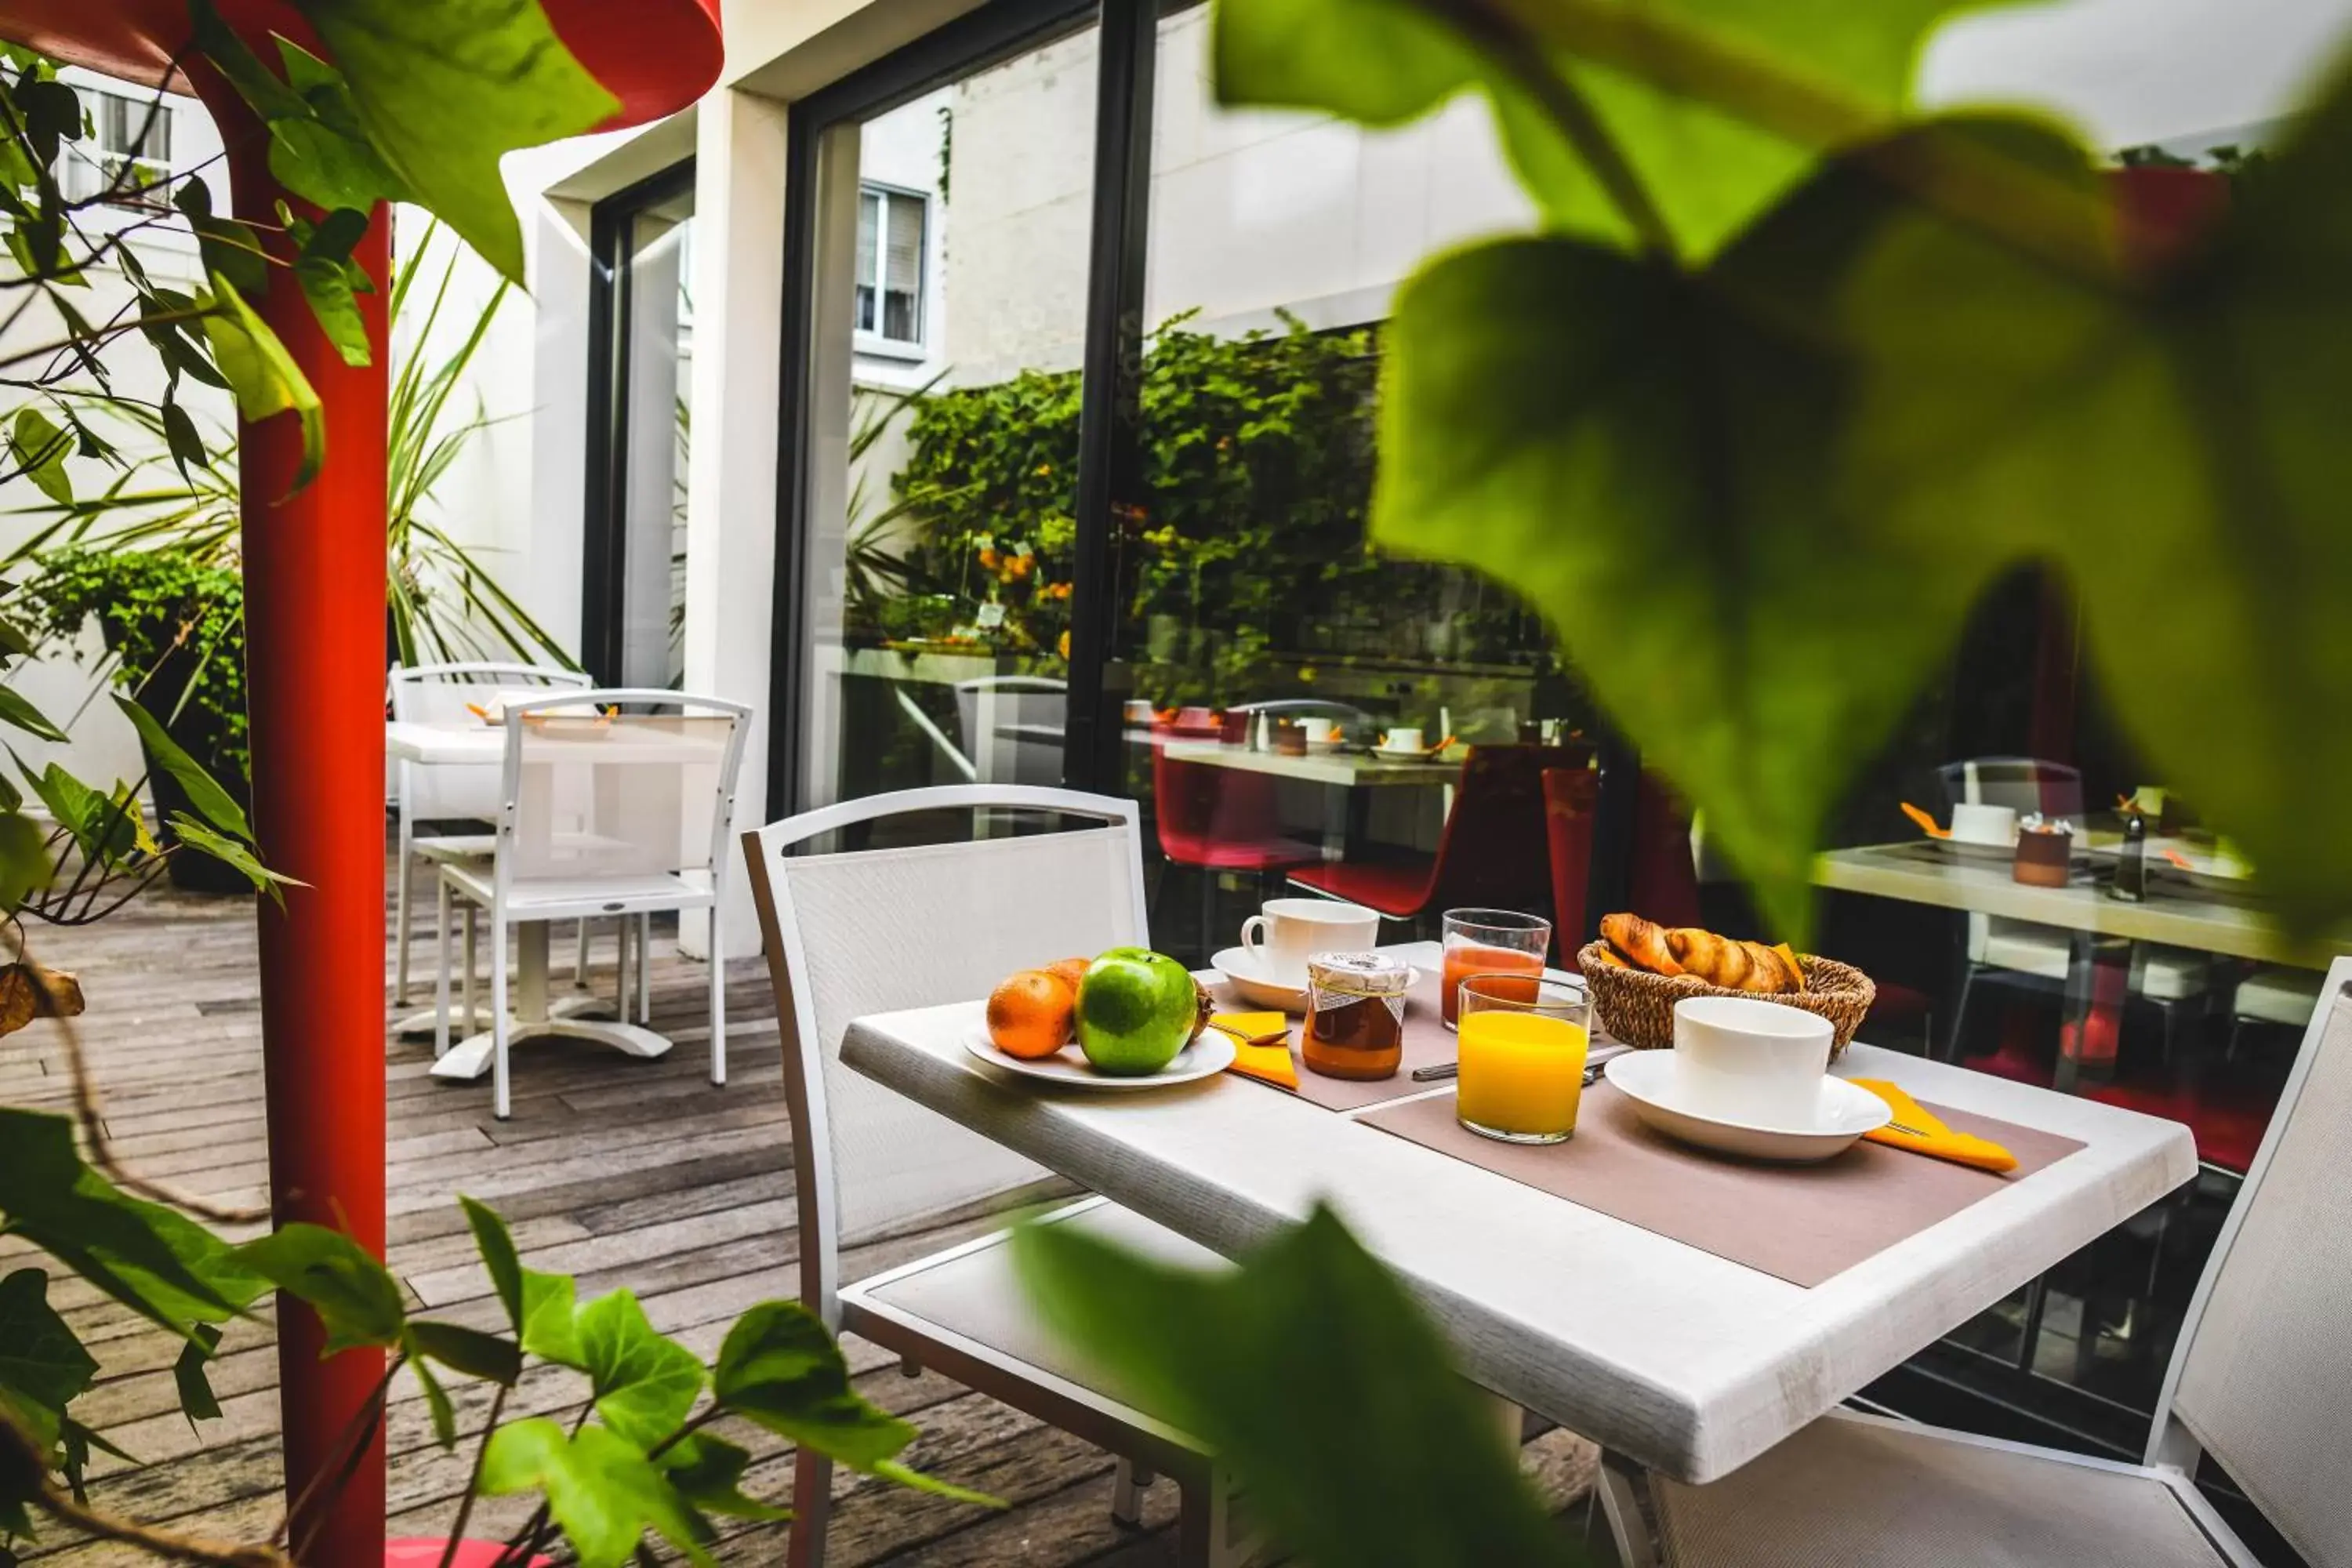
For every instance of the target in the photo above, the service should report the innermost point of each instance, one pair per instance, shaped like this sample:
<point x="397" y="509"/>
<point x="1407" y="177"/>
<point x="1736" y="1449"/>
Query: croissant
<point x="1644" y="941"/>
<point x="1608" y="956"/>
<point x="1732" y="965"/>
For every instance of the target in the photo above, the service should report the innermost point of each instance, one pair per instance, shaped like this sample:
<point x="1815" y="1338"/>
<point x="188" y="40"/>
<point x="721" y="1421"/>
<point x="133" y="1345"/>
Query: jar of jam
<point x="1355" y="1015"/>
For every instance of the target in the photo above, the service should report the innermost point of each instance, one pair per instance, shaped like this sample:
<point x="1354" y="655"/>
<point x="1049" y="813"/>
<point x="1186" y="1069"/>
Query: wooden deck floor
<point x="624" y="1173"/>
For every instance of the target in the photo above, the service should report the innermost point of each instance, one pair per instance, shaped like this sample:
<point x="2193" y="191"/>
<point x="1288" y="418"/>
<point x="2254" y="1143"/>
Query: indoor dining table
<point x="1673" y="1358"/>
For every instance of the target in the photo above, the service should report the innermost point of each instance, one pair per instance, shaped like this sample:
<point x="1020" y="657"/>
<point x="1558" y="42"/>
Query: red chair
<point x="1485" y="853"/>
<point x="1213" y="819"/>
<point x="1662" y="880"/>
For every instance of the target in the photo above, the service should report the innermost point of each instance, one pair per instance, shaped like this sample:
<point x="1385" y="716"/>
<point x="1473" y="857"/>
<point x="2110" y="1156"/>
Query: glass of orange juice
<point x="1489" y="942"/>
<point x="1521" y="1051"/>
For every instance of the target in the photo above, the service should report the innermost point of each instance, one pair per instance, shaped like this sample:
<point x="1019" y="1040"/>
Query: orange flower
<point x="988" y="557"/>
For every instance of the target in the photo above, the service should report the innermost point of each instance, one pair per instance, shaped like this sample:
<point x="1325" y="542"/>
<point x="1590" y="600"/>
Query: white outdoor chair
<point x="623" y="812"/>
<point x="445" y="791"/>
<point x="870" y="931"/>
<point x="2261" y="1378"/>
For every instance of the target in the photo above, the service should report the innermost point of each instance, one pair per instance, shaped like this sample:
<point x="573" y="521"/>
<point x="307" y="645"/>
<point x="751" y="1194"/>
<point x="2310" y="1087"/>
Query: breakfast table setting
<point x="1669" y="1203"/>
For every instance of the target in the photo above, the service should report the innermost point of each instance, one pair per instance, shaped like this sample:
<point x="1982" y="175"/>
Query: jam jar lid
<point x="1360" y="974"/>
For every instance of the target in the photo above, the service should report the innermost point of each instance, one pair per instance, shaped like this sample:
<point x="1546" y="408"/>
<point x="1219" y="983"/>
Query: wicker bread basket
<point x="1638" y="1007"/>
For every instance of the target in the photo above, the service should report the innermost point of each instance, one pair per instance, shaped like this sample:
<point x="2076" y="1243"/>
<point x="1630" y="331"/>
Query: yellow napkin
<point x="1270" y="1063"/>
<point x="1932" y="1137"/>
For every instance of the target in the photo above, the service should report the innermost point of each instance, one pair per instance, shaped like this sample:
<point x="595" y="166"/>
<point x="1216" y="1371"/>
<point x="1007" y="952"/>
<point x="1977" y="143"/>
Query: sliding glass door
<point x="641" y="357"/>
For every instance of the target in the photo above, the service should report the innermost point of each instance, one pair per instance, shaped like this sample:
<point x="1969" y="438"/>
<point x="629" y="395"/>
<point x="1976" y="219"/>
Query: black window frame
<point x="603" y="544"/>
<point x="1109" y="473"/>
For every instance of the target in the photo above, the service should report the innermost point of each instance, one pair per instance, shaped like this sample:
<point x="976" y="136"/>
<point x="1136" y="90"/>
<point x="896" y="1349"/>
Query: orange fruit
<point x="1030" y="1014"/>
<point x="1069" y="972"/>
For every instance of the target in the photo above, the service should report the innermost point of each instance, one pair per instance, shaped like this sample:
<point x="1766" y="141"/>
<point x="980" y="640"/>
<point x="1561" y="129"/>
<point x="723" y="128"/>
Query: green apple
<point x="1137" y="1009"/>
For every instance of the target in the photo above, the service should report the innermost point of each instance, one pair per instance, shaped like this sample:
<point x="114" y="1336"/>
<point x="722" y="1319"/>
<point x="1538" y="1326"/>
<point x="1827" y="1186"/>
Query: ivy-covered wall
<point x="1248" y="558"/>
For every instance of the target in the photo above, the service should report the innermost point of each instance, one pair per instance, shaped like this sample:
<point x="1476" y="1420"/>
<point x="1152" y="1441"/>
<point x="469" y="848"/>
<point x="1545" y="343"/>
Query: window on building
<point x="128" y="153"/>
<point x="891" y="225"/>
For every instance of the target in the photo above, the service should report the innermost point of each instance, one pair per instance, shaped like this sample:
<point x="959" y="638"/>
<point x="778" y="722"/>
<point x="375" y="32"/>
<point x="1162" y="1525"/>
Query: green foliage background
<point x="1258" y="457"/>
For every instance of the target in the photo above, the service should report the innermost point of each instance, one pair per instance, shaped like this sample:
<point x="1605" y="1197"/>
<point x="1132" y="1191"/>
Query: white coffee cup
<point x="1320" y="732"/>
<point x="1751" y="1061"/>
<point x="1290" y="928"/>
<point x="1992" y="825"/>
<point x="1404" y="738"/>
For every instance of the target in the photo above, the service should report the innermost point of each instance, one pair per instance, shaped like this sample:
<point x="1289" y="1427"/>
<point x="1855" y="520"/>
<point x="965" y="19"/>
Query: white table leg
<point x="538" y="1017"/>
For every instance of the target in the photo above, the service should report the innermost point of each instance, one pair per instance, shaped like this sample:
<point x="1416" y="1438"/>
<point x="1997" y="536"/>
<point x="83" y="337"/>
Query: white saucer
<point x="1241" y="966"/>
<point x="1211" y="1052"/>
<point x="1845" y="1113"/>
<point x="1408" y="754"/>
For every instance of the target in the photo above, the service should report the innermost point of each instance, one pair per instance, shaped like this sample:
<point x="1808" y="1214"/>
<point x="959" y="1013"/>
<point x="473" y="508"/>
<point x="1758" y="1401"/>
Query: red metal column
<point x="314" y="620"/>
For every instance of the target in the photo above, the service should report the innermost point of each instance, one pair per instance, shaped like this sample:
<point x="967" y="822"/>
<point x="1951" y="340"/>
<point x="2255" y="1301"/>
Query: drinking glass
<point x="1521" y="1071"/>
<point x="1489" y="942"/>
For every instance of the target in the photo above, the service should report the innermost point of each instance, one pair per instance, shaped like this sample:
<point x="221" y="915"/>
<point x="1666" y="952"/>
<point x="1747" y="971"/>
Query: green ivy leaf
<point x="780" y="1369"/>
<point x="25" y="864"/>
<point x="238" y="857"/>
<point x="443" y="1414"/>
<point x="188" y="1374"/>
<point x="644" y="1383"/>
<point x="447" y="89"/>
<point x="163" y="1266"/>
<point x="356" y="1298"/>
<point x="230" y="248"/>
<point x="708" y="1472"/>
<point x="1384" y="62"/>
<point x="1654" y="469"/>
<point x="1358" y="1442"/>
<point x="332" y="281"/>
<point x="261" y="373"/>
<point x="601" y="1491"/>
<point x="470" y="1351"/>
<point x="43" y="1366"/>
<point x="217" y="806"/>
<point x="14" y="708"/>
<point x="40" y="447"/>
<point x="539" y="1306"/>
<point x="187" y="446"/>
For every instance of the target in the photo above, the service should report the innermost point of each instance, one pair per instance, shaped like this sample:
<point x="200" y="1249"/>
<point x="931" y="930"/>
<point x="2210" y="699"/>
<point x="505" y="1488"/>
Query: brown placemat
<point x="1427" y="1043"/>
<point x="1802" y="1223"/>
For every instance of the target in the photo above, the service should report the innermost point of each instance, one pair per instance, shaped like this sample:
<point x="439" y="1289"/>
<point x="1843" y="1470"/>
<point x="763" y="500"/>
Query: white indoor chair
<point x="1013" y="727"/>
<point x="862" y="931"/>
<point x="446" y="694"/>
<point x="2260" y="1379"/>
<point x="2042" y="956"/>
<point x="625" y="810"/>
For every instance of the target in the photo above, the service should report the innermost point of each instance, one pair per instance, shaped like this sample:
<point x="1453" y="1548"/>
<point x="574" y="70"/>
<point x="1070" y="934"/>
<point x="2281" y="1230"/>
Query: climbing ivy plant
<point x="424" y="96"/>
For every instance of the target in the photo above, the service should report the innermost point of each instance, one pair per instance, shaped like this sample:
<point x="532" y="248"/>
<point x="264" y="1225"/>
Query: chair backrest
<point x="1196" y="806"/>
<point x="2262" y="1376"/>
<point x="2024" y="784"/>
<point x="640" y="785"/>
<point x="1034" y="708"/>
<point x="1662" y="880"/>
<point x="858" y="931"/>
<point x="1490" y="852"/>
<point x="440" y="694"/>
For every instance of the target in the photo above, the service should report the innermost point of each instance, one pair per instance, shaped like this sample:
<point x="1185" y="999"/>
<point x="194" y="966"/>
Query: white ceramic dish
<point x="1650" y="1079"/>
<point x="1209" y="1054"/>
<point x="1248" y="975"/>
<point x="1391" y="753"/>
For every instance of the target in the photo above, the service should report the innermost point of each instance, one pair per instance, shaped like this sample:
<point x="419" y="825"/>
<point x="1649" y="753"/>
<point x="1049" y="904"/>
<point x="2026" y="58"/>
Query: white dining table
<point x="1670" y="1357"/>
<point x="538" y="1012"/>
